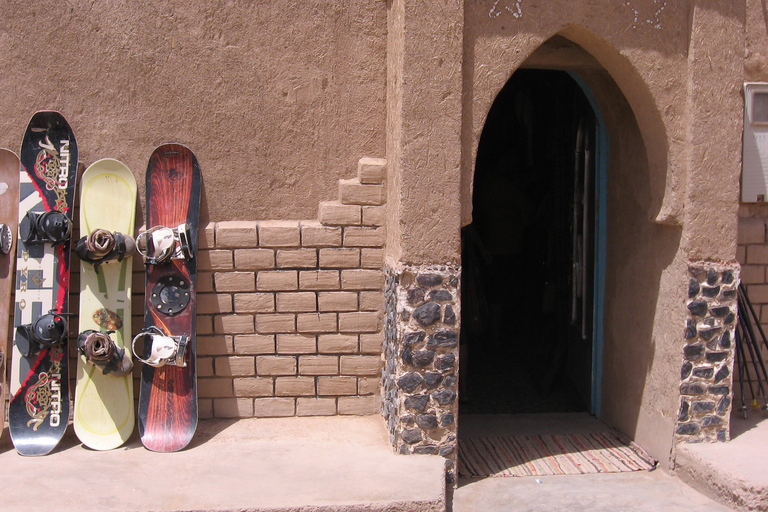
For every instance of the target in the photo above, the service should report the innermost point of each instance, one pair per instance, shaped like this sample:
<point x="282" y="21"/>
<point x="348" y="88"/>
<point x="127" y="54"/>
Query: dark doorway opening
<point x="528" y="256"/>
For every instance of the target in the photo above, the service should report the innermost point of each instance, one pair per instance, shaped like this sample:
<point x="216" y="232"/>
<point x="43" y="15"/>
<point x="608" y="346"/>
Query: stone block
<point x="233" y="324"/>
<point x="340" y="258"/>
<point x="337" y="301"/>
<point x="333" y="213"/>
<point x="204" y="408"/>
<point x="254" y="344"/>
<point x="254" y="259"/>
<point x="214" y="387"/>
<point x="235" y="366"/>
<point x="336" y="386"/>
<point x="203" y="325"/>
<point x="371" y="301"/>
<point x="362" y="279"/>
<point x="254" y="302"/>
<point x="233" y="407"/>
<point x="751" y="231"/>
<point x="277" y="280"/>
<point x="368" y="385"/>
<point x="374" y="215"/>
<point x="371" y="170"/>
<point x="757" y="254"/>
<point x="206" y="236"/>
<point x="371" y="343"/>
<point x="359" y="322"/>
<point x="753" y="274"/>
<point x="352" y="192"/>
<point x="318" y="365"/>
<point x="276" y="323"/>
<point x="296" y="258"/>
<point x="275" y="365"/>
<point x="319" y="280"/>
<point x="372" y="258"/>
<point x="296" y="302"/>
<point x="314" y="234"/>
<point x="234" y="281"/>
<point x="294" y="386"/>
<point x="316" y="322"/>
<point x="279" y="233"/>
<point x="296" y="344"/>
<point x="214" y="345"/>
<point x="365" y="236"/>
<point x="315" y="406"/>
<point x="359" y="405"/>
<point x="254" y="386"/>
<point x="211" y="303"/>
<point x="274" y="407"/>
<point x="204" y="366"/>
<point x="337" y="343"/>
<point x="236" y="233"/>
<point x="216" y="259"/>
<point x="360" y="365"/>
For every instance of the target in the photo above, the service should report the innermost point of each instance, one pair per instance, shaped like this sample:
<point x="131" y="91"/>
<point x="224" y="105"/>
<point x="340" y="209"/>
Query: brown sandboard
<point x="168" y="394"/>
<point x="9" y="215"/>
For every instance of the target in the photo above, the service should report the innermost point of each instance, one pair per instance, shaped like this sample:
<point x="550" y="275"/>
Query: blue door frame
<point x="602" y="148"/>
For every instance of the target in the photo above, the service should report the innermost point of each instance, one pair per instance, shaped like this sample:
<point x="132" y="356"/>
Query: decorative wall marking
<point x="652" y="20"/>
<point x="514" y="8"/>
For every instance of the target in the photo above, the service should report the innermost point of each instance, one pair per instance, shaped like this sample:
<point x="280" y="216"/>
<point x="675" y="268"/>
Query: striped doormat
<point x="572" y="454"/>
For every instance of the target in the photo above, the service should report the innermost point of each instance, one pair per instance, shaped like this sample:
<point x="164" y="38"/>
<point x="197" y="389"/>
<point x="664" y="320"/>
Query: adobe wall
<point x="278" y="100"/>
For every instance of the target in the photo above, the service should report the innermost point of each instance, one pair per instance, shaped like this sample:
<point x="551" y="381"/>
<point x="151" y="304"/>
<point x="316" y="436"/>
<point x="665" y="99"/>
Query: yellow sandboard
<point x="104" y="406"/>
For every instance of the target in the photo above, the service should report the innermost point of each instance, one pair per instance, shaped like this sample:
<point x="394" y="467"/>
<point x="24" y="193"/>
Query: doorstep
<point x="337" y="463"/>
<point x="735" y="473"/>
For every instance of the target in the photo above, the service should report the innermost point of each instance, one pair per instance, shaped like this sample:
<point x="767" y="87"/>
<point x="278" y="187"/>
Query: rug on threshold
<point x="571" y="454"/>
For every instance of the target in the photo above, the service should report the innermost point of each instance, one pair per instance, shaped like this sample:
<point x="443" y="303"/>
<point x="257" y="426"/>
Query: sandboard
<point x="38" y="411"/>
<point x="167" y="414"/>
<point x="9" y="217"/>
<point x="104" y="406"/>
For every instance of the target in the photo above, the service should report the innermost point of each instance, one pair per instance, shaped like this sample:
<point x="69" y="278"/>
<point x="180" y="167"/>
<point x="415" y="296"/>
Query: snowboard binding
<point x="100" y="350"/>
<point x="50" y="226"/>
<point x="102" y="246"/>
<point x="161" y="244"/>
<point x="45" y="332"/>
<point x="163" y="349"/>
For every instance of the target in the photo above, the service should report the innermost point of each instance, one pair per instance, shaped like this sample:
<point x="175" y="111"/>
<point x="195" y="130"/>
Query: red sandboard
<point x="168" y="393"/>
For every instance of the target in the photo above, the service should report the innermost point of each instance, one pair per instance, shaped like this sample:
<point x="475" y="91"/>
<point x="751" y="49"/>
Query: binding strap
<point x="102" y="246"/>
<point x="46" y="331"/>
<point x="163" y="349"/>
<point x="39" y="227"/>
<point x="161" y="244"/>
<point x="100" y="350"/>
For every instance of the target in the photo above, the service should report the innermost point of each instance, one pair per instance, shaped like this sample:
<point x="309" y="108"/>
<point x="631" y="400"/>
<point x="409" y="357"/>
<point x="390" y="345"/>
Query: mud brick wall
<point x="753" y="256"/>
<point x="289" y="313"/>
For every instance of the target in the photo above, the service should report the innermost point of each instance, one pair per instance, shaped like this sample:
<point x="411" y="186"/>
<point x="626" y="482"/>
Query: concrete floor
<point x="628" y="492"/>
<point x="253" y="465"/>
<point x="346" y="464"/>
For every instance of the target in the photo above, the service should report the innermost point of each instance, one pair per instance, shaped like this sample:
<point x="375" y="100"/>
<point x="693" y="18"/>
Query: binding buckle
<point x="6" y="239"/>
<point x="48" y="330"/>
<point x="102" y="246"/>
<point x="161" y="244"/>
<point x="162" y="349"/>
<point x="50" y="226"/>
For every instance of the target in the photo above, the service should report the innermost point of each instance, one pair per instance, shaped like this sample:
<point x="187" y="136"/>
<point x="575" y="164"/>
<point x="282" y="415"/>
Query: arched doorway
<point x="532" y="257"/>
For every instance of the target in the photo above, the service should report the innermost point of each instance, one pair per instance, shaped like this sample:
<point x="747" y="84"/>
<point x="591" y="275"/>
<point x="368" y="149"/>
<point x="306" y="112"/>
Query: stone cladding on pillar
<point x="421" y="360"/>
<point x="708" y="353"/>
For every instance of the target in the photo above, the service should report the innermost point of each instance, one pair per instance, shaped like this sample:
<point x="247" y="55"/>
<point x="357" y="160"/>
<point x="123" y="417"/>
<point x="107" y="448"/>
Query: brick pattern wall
<point x="289" y="313"/>
<point x="752" y="253"/>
